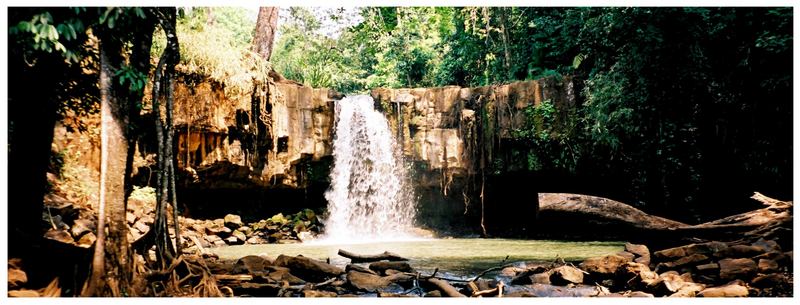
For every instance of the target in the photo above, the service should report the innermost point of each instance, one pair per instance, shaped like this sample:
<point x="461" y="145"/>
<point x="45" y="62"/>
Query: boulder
<point x="381" y="267"/>
<point x="540" y="278"/>
<point x="737" y="268"/>
<point x="318" y="294"/>
<point x="626" y="254"/>
<point x="688" y="290"/>
<point x="15" y="263"/>
<point x="233" y="221"/>
<point x="740" y="251"/>
<point x="710" y="268"/>
<point x="636" y="275"/>
<point x="671" y="253"/>
<point x="605" y="265"/>
<point x="250" y="264"/>
<point x="735" y="289"/>
<point x="256" y="289"/>
<point x="769" y="280"/>
<point x="256" y="240"/>
<point x="641" y="251"/>
<point x="232" y="240"/>
<point x="434" y="294"/>
<point x="87" y="240"/>
<point x="16" y="278"/>
<point x="307" y="268"/>
<point x="366" y="281"/>
<point x="81" y="226"/>
<point x="281" y="274"/>
<point x="371" y="282"/>
<point x="59" y="235"/>
<point x="220" y="231"/>
<point x="511" y="271"/>
<point x="768" y="266"/>
<point x="566" y="275"/>
<point x="142" y="227"/>
<point x="707" y="249"/>
<point x="211" y="238"/>
<point x="644" y="260"/>
<point x="24" y="293"/>
<point x="668" y="283"/>
<point x="638" y="250"/>
<point x="525" y="277"/>
<point x="544" y="290"/>
<point x="689" y="260"/>
<point x="246" y="230"/>
<point x="130" y="218"/>
<point x="767" y="245"/>
<point x="239" y="235"/>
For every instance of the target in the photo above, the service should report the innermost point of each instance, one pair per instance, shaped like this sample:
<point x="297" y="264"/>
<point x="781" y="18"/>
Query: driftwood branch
<point x="493" y="269"/>
<point x="360" y="258"/>
<point x="497" y="291"/>
<point x="233" y="277"/>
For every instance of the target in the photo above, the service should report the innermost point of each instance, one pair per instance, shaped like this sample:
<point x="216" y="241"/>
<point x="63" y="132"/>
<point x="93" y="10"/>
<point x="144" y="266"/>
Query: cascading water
<point x="370" y="198"/>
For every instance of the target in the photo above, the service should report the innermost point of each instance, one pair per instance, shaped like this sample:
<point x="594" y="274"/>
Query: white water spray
<point x="370" y="198"/>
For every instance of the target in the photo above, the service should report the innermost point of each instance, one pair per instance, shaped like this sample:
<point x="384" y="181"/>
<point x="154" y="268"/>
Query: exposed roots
<point x="187" y="276"/>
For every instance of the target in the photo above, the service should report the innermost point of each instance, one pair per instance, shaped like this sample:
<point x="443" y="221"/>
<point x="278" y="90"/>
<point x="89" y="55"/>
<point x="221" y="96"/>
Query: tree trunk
<point x="504" y="36"/>
<point x="588" y="216"/>
<point x="364" y="258"/>
<point x="165" y="193"/>
<point x="112" y="268"/>
<point x="260" y="108"/>
<point x="266" y="25"/>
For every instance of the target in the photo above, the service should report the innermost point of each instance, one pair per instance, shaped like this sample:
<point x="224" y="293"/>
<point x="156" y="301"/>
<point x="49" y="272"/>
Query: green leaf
<point x="105" y="15"/>
<point x="24" y="26"/>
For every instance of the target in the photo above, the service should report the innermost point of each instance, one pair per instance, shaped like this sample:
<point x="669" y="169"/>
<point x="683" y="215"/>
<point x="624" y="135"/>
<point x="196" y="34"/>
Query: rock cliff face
<point x="453" y="135"/>
<point x="278" y="160"/>
<point x="282" y="154"/>
<point x="249" y="155"/>
<point x="226" y="146"/>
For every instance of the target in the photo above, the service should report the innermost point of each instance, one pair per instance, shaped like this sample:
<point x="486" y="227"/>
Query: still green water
<point x="457" y="256"/>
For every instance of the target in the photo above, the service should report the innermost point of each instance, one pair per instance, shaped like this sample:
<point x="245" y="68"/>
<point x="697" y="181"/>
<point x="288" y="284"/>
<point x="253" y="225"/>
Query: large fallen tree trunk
<point x="599" y="217"/>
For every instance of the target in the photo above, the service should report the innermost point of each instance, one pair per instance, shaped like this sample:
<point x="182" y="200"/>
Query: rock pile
<point x="230" y="230"/>
<point x="69" y="224"/>
<point x="711" y="269"/>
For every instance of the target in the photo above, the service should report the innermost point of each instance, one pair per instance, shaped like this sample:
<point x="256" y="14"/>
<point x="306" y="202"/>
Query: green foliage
<point x="42" y="33"/>
<point x="135" y="80"/>
<point x="216" y="44"/>
<point x="546" y="142"/>
<point x="324" y="61"/>
<point x="64" y="41"/>
<point x="390" y="47"/>
<point x="143" y="194"/>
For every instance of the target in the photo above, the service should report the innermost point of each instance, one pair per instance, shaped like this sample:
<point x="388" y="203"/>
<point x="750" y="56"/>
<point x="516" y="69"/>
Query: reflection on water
<point x="460" y="256"/>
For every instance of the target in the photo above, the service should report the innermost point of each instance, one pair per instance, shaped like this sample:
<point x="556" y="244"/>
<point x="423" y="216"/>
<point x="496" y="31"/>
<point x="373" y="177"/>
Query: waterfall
<point x="370" y="197"/>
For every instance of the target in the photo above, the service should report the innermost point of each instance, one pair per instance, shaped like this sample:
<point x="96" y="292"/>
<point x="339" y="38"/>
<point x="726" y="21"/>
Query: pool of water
<point x="457" y="256"/>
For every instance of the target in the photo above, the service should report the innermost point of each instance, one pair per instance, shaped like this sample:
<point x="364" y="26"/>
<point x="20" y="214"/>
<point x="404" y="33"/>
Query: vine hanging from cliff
<point x="165" y="182"/>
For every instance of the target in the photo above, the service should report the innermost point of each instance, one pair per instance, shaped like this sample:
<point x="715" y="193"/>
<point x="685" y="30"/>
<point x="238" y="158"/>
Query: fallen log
<point x="446" y="288"/>
<point x="576" y="214"/>
<point x="361" y="258"/>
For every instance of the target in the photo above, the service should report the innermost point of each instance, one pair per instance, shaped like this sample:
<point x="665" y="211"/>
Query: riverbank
<point x="752" y="255"/>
